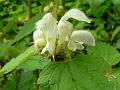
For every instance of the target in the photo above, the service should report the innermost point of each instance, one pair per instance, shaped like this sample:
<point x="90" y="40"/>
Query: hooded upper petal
<point x="49" y="29"/>
<point x="75" y="14"/>
<point x="83" y="36"/>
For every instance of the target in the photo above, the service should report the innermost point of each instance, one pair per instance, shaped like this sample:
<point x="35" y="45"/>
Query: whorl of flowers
<point x="50" y="33"/>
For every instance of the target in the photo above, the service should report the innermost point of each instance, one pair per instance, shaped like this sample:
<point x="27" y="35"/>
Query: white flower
<point x="65" y="28"/>
<point x="48" y="32"/>
<point x="75" y="38"/>
<point x="48" y="26"/>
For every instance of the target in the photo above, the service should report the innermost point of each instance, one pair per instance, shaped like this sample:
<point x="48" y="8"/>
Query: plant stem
<point x="29" y="9"/>
<point x="15" y="76"/>
<point x="37" y="76"/>
<point x="55" y="9"/>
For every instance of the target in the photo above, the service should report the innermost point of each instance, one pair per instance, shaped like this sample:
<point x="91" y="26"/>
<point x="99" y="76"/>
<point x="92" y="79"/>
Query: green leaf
<point x="117" y="44"/>
<point x="116" y="2"/>
<point x="105" y="51"/>
<point x="26" y="29"/>
<point x="36" y="62"/>
<point x="2" y="49"/>
<point x="10" y="85"/>
<point x="18" y="60"/>
<point x="95" y="2"/>
<point x="115" y="59"/>
<point x="85" y="72"/>
<point x="115" y="32"/>
<point x="26" y="81"/>
<point x="116" y="75"/>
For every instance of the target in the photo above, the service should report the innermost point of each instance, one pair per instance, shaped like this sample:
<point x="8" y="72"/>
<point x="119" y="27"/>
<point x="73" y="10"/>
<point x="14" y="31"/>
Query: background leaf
<point x="27" y="80"/>
<point x="26" y="29"/>
<point x="10" y="85"/>
<point x="115" y="32"/>
<point x="116" y="2"/>
<point x="17" y="61"/>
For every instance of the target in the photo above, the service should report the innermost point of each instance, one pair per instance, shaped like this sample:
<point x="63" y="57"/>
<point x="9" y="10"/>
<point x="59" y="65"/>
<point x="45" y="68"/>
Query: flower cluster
<point x="50" y="33"/>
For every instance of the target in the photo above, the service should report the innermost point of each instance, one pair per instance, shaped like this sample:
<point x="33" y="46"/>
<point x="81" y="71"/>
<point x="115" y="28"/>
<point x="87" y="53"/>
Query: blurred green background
<point x="18" y="17"/>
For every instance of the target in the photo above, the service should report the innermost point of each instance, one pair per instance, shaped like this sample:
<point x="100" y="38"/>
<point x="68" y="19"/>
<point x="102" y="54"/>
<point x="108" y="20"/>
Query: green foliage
<point x="26" y="81"/>
<point x="14" y="63"/>
<point x="117" y="44"/>
<point x="117" y="78"/>
<point x="10" y="85"/>
<point x="115" y="32"/>
<point x="36" y="62"/>
<point x="105" y="51"/>
<point x="95" y="68"/>
<point x="116" y="2"/>
<point x="84" y="72"/>
<point x="27" y="29"/>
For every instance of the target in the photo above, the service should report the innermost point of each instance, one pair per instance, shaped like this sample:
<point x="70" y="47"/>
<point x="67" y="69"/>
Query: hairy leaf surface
<point x="85" y="72"/>
<point x="105" y="51"/>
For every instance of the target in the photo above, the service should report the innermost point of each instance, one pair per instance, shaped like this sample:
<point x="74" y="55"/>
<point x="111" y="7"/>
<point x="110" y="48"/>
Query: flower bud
<point x="52" y="4"/>
<point x="61" y="7"/>
<point x="46" y="9"/>
<point x="39" y="43"/>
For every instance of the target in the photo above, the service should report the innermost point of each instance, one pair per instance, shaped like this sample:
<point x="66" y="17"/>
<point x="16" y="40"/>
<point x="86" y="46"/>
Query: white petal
<point x="48" y="20"/>
<point x="79" y="46"/>
<point x="64" y="30"/>
<point x="39" y="40"/>
<point x="39" y="43"/>
<point x="72" y="46"/>
<point x="75" y="46"/>
<point x="37" y="35"/>
<point x="50" y="47"/>
<point x="75" y="14"/>
<point x="49" y="29"/>
<point x="38" y="25"/>
<point x="83" y="36"/>
<point x="45" y="21"/>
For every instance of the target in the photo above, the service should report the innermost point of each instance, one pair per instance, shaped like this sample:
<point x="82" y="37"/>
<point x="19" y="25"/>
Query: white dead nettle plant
<point x="48" y="32"/>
